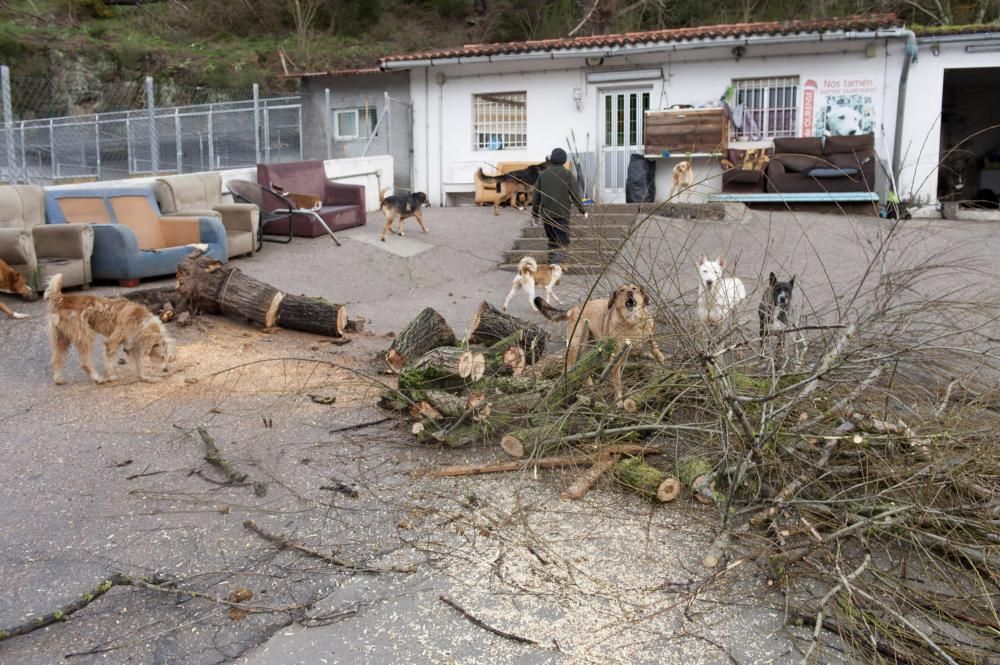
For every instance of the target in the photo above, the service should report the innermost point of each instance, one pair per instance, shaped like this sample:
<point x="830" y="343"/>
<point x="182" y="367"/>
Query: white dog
<point x="718" y="296"/>
<point x="843" y="121"/>
<point x="529" y="273"/>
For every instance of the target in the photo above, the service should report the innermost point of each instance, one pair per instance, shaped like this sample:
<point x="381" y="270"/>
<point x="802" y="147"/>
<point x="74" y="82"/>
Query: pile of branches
<point x="858" y="469"/>
<point x="498" y="387"/>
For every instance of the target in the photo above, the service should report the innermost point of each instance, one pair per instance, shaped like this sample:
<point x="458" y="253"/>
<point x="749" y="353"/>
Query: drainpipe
<point x="440" y="78"/>
<point x="904" y="75"/>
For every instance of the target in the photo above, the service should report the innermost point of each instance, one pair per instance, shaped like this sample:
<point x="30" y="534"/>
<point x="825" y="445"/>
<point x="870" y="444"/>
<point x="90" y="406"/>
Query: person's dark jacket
<point x="555" y="191"/>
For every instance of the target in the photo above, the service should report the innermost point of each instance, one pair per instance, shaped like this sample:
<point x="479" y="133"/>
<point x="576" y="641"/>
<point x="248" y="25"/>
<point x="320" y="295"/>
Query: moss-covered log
<point x="647" y="480"/>
<point x="565" y="387"/>
<point x="697" y="473"/>
<point x="490" y="325"/>
<point x="534" y="441"/>
<point x="428" y="331"/>
<point x="442" y="368"/>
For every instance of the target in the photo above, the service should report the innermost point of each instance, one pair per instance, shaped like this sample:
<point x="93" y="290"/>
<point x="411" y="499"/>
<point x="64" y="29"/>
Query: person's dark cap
<point x="558" y="156"/>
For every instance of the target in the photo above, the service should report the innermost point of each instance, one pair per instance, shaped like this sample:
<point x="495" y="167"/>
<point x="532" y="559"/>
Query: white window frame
<point x="767" y="100"/>
<point x="500" y="120"/>
<point x="362" y="129"/>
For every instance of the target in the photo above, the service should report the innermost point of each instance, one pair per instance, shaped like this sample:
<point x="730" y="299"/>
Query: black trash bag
<point x="640" y="183"/>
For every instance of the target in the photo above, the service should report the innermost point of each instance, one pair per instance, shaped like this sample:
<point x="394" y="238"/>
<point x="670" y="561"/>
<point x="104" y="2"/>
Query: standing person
<point x="555" y="190"/>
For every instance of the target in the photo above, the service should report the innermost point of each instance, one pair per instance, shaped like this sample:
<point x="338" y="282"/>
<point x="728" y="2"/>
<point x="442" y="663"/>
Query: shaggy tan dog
<point x="622" y="317"/>
<point x="683" y="178"/>
<point x="75" y="320"/>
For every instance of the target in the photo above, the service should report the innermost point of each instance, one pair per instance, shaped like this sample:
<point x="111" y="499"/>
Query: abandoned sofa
<point x="200" y="195"/>
<point x="341" y="206"/>
<point x="838" y="164"/>
<point x="743" y="171"/>
<point x="37" y="250"/>
<point x="132" y="239"/>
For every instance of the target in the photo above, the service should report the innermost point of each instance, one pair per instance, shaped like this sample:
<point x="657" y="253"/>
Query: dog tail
<point x="53" y="293"/>
<point x="548" y="311"/>
<point x="381" y="194"/>
<point x="526" y="265"/>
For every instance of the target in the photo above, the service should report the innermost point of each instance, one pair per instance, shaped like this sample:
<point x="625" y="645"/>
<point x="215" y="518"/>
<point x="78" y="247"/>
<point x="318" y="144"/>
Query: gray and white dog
<point x="775" y="307"/>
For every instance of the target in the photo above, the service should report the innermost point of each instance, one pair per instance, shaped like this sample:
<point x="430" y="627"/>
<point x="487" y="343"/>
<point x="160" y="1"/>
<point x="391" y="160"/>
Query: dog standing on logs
<point x="76" y="320"/>
<point x="529" y="275"/>
<point x="11" y="281"/>
<point x="401" y="207"/>
<point x="622" y="317"/>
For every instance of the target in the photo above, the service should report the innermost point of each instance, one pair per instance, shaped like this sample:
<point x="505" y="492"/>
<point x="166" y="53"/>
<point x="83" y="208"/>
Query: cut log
<point x="441" y="368"/>
<point x="355" y="325"/>
<point x="314" y="315"/>
<point x="448" y="405"/>
<point x="428" y="331"/>
<point x="696" y="473"/>
<point x="566" y="387"/>
<point x="582" y="485"/>
<point x="478" y="367"/>
<point x="520" y="465"/>
<point x="213" y="287"/>
<point x="533" y="441"/>
<point x="647" y="480"/>
<point x="490" y="325"/>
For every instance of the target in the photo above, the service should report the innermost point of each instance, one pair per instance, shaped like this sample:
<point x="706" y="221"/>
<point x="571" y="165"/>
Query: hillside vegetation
<point x="190" y="46"/>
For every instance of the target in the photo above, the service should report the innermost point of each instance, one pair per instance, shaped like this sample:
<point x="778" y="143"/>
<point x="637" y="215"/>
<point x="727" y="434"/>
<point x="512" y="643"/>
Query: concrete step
<point x="577" y="243"/>
<point x="609" y="232"/>
<point x="590" y="257"/>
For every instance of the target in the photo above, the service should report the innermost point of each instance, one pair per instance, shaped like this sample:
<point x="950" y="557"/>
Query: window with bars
<point x="765" y="108"/>
<point x="354" y="124"/>
<point x="500" y="121"/>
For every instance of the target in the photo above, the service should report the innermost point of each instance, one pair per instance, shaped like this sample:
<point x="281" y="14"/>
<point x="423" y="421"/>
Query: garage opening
<point x="969" y="170"/>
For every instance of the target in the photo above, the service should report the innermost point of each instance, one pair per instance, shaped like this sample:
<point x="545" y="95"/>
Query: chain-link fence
<point x="55" y="132"/>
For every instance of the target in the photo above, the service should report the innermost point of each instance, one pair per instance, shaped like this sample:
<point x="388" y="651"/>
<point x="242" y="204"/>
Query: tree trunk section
<point x="490" y="325"/>
<point x="442" y="368"/>
<point x="566" y="387"/>
<point x="214" y="287"/>
<point x="313" y="315"/>
<point x="647" y="480"/>
<point x="579" y="488"/>
<point x="428" y="331"/>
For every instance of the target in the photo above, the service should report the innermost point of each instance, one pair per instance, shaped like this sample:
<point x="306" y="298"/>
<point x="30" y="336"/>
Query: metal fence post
<point x="256" y="121"/>
<point x="24" y="158"/>
<point x="54" y="163"/>
<point x="154" y="144"/>
<point x="178" y="139"/>
<point x="211" y="140"/>
<point x="327" y="129"/>
<point x="8" y="122"/>
<point x="97" y="143"/>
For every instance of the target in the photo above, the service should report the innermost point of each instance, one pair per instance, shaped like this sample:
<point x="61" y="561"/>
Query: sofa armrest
<point x="239" y="216"/>
<point x="116" y="251"/>
<point x="17" y="247"/>
<point x="207" y="212"/>
<point x="64" y="241"/>
<point x="775" y="168"/>
<point x="212" y="232"/>
<point x="335" y="193"/>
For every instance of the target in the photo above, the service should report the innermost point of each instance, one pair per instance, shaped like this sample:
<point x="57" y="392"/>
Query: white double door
<point x="621" y="119"/>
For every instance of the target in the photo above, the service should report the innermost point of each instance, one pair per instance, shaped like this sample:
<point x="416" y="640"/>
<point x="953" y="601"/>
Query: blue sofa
<point x="132" y="239"/>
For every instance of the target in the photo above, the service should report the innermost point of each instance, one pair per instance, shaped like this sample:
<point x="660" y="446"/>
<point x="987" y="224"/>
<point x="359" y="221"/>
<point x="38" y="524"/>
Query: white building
<point x="482" y="104"/>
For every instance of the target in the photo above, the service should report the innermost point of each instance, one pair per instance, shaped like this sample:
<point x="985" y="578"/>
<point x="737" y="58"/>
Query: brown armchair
<point x="744" y="173"/>
<point x="341" y="206"/>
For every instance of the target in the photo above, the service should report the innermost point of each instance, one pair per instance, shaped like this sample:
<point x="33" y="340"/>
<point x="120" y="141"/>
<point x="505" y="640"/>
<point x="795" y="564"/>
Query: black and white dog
<point x="775" y="307"/>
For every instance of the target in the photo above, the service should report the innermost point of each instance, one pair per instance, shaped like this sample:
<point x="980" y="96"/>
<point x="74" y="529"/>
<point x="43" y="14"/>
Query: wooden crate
<point x="700" y="131"/>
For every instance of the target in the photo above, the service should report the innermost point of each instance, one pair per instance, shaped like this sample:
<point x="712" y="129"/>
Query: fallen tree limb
<point x="579" y="487"/>
<point x="284" y="543"/>
<point x="646" y="479"/>
<point x="496" y="631"/>
<point x="543" y="463"/>
<point x="489" y="325"/>
<point x="215" y="458"/>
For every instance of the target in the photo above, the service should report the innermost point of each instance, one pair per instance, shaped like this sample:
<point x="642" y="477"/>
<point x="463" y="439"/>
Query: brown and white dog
<point x="683" y="178"/>
<point x="11" y="281"/>
<point x="76" y="320"/>
<point x="529" y="275"/>
<point x="622" y="317"/>
<point x="401" y="207"/>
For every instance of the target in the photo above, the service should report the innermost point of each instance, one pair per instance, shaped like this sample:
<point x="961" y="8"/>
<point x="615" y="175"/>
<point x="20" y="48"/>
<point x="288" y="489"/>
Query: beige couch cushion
<point x="84" y="210"/>
<point x="196" y="191"/>
<point x="136" y="213"/>
<point x="21" y="206"/>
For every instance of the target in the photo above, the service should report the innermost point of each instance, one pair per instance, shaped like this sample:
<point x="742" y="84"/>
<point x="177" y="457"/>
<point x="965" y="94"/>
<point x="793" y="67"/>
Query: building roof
<point x="336" y="72"/>
<point x="943" y="30"/>
<point x="847" y="24"/>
